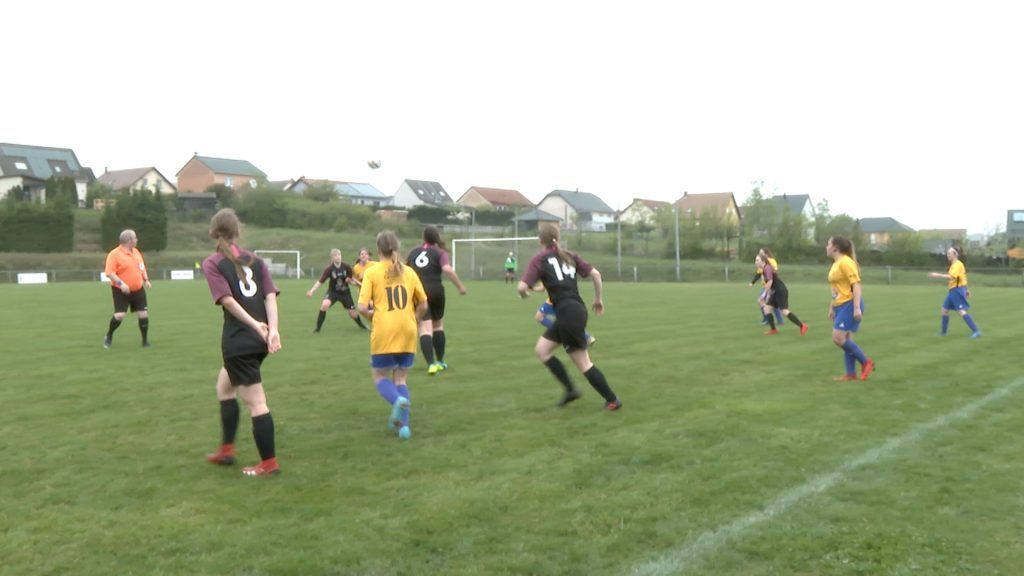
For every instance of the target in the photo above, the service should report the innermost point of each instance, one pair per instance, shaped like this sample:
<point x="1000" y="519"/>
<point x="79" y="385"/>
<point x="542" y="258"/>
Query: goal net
<point x="484" y="258"/>
<point x="286" y="263"/>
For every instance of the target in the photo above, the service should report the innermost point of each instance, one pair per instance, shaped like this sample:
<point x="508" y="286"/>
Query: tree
<point x="61" y="190"/>
<point x="142" y="211"/>
<point x="96" y="191"/>
<point x="226" y="197"/>
<point x="822" y="216"/>
<point x="321" y="192"/>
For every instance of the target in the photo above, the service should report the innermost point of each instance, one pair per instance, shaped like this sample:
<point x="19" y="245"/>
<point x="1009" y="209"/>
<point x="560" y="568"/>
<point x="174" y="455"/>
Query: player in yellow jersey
<point x="847" y="306"/>
<point x="958" y="294"/>
<point x="361" y="265"/>
<point x="392" y="298"/>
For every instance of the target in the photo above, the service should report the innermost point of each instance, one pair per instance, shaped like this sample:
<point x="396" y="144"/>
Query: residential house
<point x="353" y="192"/>
<point x="201" y="172"/>
<point x="280" y="184"/>
<point x="531" y="219"/>
<point x="642" y="211"/>
<point x="29" y="167"/>
<point x="578" y="210"/>
<point x="481" y="198"/>
<point x="938" y="241"/>
<point x="421" y="193"/>
<point x="720" y="204"/>
<point x="148" y="178"/>
<point x="796" y="204"/>
<point x="1014" y="225"/>
<point x="879" y="231"/>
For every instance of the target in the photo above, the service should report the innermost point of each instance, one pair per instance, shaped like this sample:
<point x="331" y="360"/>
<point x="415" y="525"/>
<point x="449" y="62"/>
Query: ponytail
<point x="225" y="228"/>
<point x="549" y="239"/>
<point x="388" y="246"/>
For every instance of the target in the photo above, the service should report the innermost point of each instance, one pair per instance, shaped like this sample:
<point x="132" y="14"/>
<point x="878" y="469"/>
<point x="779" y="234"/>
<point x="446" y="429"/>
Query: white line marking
<point x="692" y="553"/>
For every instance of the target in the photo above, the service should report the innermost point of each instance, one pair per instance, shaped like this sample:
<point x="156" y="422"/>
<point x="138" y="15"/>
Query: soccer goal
<point x="485" y="257"/>
<point x="287" y="263"/>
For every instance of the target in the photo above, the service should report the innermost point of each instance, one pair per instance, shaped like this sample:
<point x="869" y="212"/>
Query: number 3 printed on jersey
<point x="247" y="285"/>
<point x="561" y="269"/>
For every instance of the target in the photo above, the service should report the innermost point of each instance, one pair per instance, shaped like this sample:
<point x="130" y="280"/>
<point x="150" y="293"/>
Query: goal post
<point x="494" y="252"/>
<point x="287" y="263"/>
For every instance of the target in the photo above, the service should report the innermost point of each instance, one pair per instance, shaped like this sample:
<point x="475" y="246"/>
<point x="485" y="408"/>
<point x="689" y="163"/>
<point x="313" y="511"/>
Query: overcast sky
<point x="913" y="110"/>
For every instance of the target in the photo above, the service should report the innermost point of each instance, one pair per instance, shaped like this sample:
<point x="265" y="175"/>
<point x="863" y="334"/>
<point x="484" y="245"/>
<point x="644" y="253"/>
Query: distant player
<point x="758" y="276"/>
<point x="776" y="296"/>
<point x="430" y="261"/>
<point x="510" y="268"/>
<point x="956" y="298"/>
<point x="338" y="276"/>
<point x="359" y="268"/>
<point x="557" y="269"/>
<point x="392" y="298"/>
<point x="847" y="306"/>
<point x="240" y="284"/>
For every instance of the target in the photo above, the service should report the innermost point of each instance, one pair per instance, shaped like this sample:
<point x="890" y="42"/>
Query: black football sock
<point x="598" y="381"/>
<point x="792" y="318"/>
<point x="229" y="420"/>
<point x="771" y="320"/>
<point x="427" y="345"/>
<point x="556" y="367"/>
<point x="439" y="341"/>
<point x="263" y="433"/>
<point x="114" y="325"/>
<point x="144" y="328"/>
<point x="320" y="320"/>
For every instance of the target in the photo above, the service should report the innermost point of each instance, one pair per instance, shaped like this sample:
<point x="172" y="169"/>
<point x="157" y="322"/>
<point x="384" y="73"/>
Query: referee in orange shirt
<point x="128" y="282"/>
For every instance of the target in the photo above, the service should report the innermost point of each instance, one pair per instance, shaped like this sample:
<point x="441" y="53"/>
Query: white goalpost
<point x="494" y="257"/>
<point x="287" y="263"/>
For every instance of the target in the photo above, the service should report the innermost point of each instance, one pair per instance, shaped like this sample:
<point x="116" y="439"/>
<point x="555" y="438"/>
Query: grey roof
<point x="795" y="202"/>
<point x="41" y="162"/>
<point x="120" y="179"/>
<point x="358" y="189"/>
<point x="876" y="225"/>
<point x="535" y="215"/>
<point x="430" y="192"/>
<point x="233" y="167"/>
<point x="582" y="201"/>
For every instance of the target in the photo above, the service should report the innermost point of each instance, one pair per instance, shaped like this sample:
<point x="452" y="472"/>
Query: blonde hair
<point x="335" y="251"/>
<point x="225" y="228"/>
<point x="388" y="246"/>
<point x="549" y="239"/>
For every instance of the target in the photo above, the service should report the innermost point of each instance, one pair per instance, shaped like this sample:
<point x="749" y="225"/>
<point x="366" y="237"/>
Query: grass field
<point x="734" y="454"/>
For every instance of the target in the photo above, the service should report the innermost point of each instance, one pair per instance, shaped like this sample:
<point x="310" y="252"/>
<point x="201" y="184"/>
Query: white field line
<point x="694" y="551"/>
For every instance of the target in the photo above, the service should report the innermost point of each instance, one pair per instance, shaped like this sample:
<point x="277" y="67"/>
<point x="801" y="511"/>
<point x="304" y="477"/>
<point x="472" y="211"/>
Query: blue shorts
<point x="844" y="317"/>
<point x="956" y="299"/>
<point x="385" y="361"/>
<point x="546" y="309"/>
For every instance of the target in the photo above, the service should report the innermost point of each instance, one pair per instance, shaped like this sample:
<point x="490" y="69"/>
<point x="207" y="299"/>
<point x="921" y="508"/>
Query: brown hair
<point x="768" y="252"/>
<point x="432" y="236"/>
<point x="845" y="246"/>
<point x="225" y="228"/>
<point x="388" y="246"/>
<point x="549" y="239"/>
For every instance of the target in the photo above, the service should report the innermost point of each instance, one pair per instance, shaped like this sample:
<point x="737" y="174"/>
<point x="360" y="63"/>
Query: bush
<point x="27" y="227"/>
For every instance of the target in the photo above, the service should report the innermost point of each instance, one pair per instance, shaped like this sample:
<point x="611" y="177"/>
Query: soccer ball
<point x="373" y="164"/>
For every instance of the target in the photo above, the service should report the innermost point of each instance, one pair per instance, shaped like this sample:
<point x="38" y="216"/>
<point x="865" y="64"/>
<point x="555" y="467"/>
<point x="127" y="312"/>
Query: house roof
<point x="121" y="179"/>
<point x="876" y="225"/>
<point x="228" y="166"/>
<point x="360" y="189"/>
<point x="536" y="215"/>
<point x="40" y="162"/>
<point x="500" y="196"/>
<point x="795" y="202"/>
<point x="698" y="203"/>
<point x="582" y="201"/>
<point x="652" y="204"/>
<point x="429" y="192"/>
<point x="944" y="233"/>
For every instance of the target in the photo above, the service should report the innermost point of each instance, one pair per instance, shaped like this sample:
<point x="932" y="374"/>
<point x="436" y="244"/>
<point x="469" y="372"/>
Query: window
<point x="252" y="183"/>
<point x="56" y="169"/>
<point x="145" y="182"/>
<point x="228" y="181"/>
<point x="21" y="166"/>
<point x="1018" y="216"/>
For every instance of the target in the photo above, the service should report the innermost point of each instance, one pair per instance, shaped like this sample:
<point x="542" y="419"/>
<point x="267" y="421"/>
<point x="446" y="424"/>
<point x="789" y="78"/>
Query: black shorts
<point x="245" y="370"/>
<point x="780" y="297"/>
<point x="570" y="327"/>
<point x="135" y="300"/>
<point x="435" y="301"/>
<point x="344" y="297"/>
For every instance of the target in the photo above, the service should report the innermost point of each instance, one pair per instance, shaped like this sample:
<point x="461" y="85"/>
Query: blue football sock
<point x="945" y="323"/>
<point x="970" y="323"/>
<point x="403" y="390"/>
<point x="853" y="350"/>
<point x="850" y="363"/>
<point x="547" y="321"/>
<point x="387" y="390"/>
